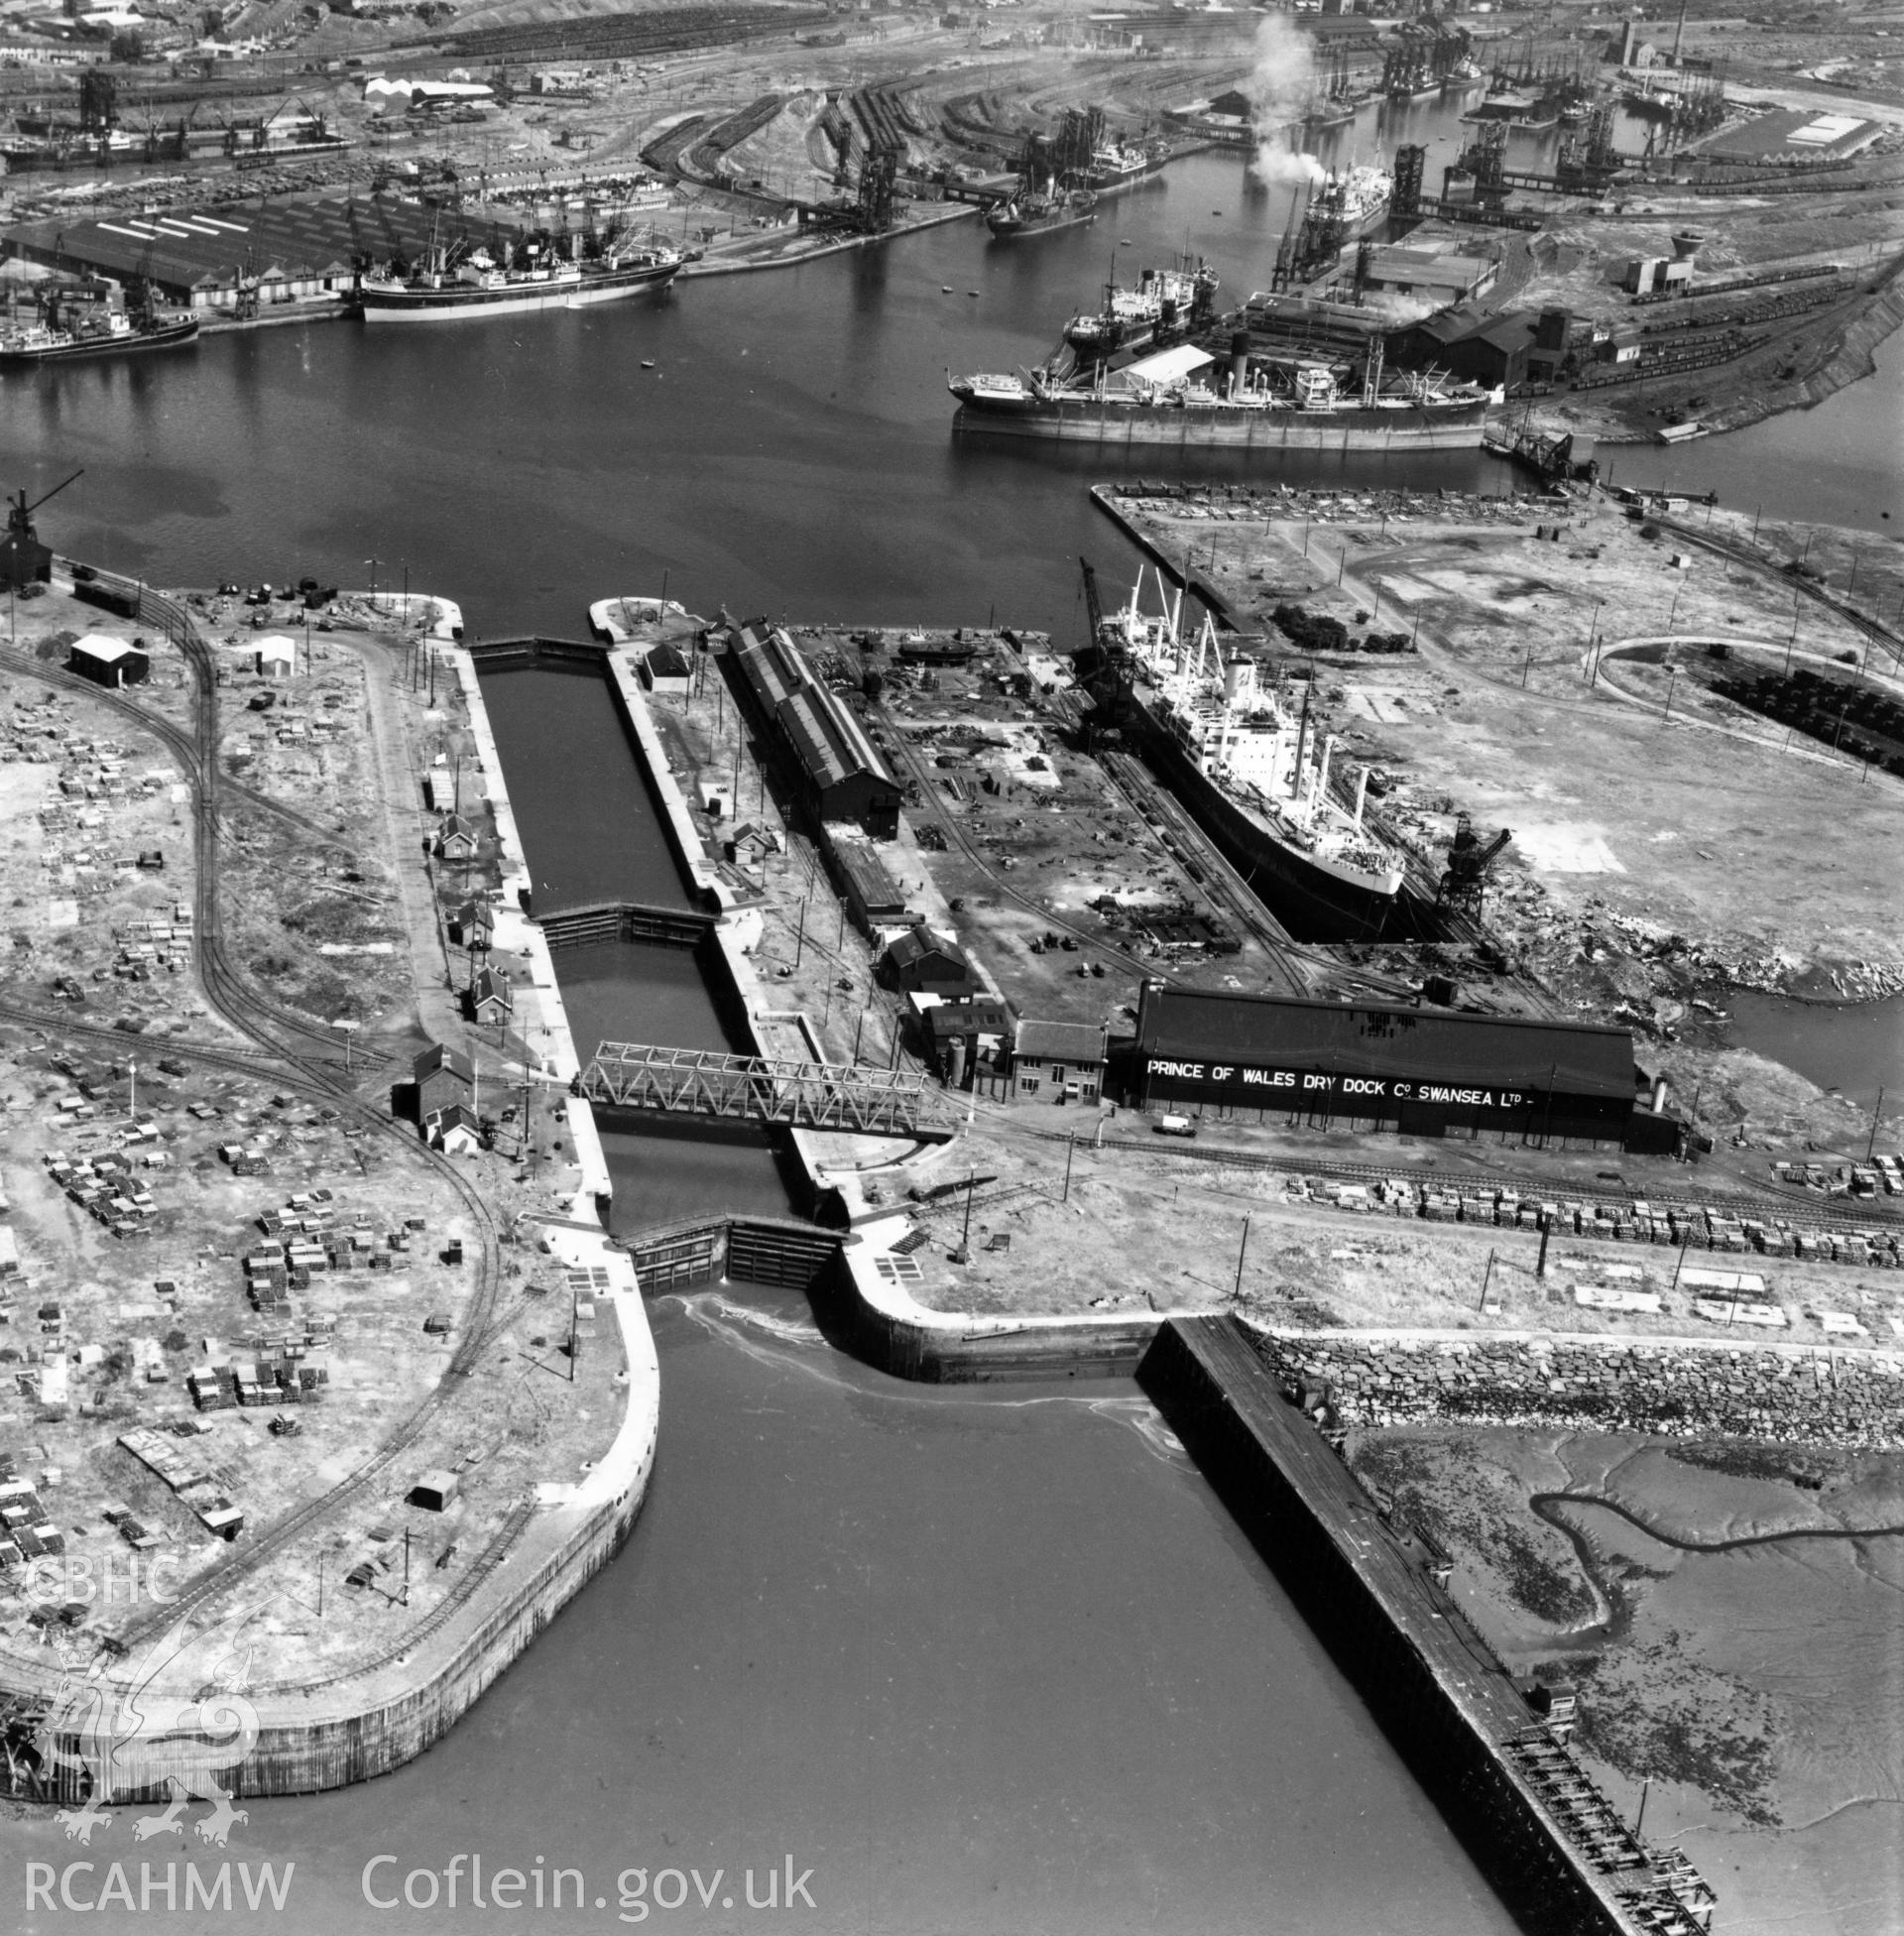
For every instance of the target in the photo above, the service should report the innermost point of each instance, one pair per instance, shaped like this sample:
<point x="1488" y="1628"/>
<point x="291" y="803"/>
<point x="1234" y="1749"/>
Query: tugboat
<point x="55" y="338"/>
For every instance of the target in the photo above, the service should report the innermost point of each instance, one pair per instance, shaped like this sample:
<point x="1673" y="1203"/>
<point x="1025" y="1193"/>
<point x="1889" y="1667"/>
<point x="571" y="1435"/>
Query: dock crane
<point x="1103" y="669"/>
<point x="1468" y="859"/>
<point x="24" y="560"/>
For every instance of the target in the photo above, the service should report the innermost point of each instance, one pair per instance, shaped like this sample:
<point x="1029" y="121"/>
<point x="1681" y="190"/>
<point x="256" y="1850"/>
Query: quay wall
<point x="325" y="1731"/>
<point x="690" y="855"/>
<point x="1449" y="1718"/>
<point x="324" y="1735"/>
<point x="1678" y="1388"/>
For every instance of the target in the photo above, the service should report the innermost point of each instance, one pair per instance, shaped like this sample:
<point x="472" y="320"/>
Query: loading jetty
<point x="1500" y="1771"/>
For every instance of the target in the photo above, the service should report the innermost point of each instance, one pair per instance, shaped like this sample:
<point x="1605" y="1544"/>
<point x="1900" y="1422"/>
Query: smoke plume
<point x="1279" y="87"/>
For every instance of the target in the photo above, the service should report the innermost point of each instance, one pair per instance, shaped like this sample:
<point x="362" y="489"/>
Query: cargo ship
<point x="1246" y="763"/>
<point x="1029" y="212"/>
<point x="1355" y="198"/>
<point x="1131" y="317"/>
<point x="536" y="275"/>
<point x="110" y="335"/>
<point x="1178" y="399"/>
<point x="1122" y="164"/>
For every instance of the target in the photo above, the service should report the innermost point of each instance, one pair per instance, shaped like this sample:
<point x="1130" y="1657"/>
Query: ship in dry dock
<point x="1243" y="759"/>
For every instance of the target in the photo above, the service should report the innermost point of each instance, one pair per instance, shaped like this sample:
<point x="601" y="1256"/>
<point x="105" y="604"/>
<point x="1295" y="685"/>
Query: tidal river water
<point x="979" y="1660"/>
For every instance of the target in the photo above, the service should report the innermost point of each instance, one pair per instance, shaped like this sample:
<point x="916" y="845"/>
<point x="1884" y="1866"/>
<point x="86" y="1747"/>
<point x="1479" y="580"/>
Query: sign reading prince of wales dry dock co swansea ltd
<point x="1421" y="1070"/>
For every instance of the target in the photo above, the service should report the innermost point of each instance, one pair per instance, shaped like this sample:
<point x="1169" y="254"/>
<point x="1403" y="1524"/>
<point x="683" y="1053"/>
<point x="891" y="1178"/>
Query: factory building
<point x="837" y="769"/>
<point x="1379" y="1066"/>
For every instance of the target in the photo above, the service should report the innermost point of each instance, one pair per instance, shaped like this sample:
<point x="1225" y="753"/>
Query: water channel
<point x="979" y="1660"/>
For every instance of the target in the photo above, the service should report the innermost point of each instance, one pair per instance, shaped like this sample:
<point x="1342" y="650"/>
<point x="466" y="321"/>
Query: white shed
<point x="275" y="656"/>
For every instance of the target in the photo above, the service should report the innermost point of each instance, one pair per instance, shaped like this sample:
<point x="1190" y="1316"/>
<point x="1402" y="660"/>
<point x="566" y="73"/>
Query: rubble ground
<point x="142" y="1164"/>
<point x="1146" y="1225"/>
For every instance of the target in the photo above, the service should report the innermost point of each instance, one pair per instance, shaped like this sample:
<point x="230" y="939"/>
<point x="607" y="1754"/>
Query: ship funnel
<point x="1233" y="675"/>
<point x="1239" y="361"/>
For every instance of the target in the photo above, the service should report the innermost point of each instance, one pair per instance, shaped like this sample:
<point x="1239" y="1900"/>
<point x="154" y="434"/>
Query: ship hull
<point x="463" y="301"/>
<point x="1006" y="230"/>
<point x="1109" y="181"/>
<point x="173" y="335"/>
<point x="1221" y="427"/>
<point x="1313" y="903"/>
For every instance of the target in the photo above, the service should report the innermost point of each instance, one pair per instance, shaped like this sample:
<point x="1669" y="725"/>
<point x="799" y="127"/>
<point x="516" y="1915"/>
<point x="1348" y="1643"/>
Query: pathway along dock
<point x="1549" y="1842"/>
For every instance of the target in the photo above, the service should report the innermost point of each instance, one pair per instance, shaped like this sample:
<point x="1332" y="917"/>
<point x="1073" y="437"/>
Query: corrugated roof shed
<point x="771" y="664"/>
<point x="1369" y="1038"/>
<point x="295" y="239"/>
<point x="868" y="880"/>
<point x="919" y="944"/>
<point x="830" y="743"/>
<point x="950" y="1019"/>
<point x="1059" y="1041"/>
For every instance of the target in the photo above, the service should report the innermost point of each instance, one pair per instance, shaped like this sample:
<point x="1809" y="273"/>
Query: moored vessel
<point x="1050" y="192"/>
<point x="1182" y="399"/>
<point x="518" y="279"/>
<point x="1122" y="164"/>
<point x="1038" y="211"/>
<point x="52" y="340"/>
<point x="1354" y="199"/>
<point x="1162" y="300"/>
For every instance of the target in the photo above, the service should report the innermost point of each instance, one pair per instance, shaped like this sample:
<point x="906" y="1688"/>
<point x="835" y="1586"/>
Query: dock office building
<point x="838" y="770"/>
<point x="1380" y="1066"/>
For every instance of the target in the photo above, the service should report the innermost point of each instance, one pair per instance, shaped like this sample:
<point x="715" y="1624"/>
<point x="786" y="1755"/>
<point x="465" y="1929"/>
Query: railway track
<point x="185" y="748"/>
<point x="268" y="1024"/>
<point x="899" y="745"/>
<point x="1762" y="1207"/>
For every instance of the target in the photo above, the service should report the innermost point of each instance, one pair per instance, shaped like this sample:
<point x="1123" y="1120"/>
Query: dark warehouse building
<point x="1371" y="1065"/>
<point x="839" y="770"/>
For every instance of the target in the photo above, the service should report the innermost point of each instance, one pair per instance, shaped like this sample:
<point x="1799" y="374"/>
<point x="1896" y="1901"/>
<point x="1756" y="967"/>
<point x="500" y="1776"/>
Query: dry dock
<point x="1540" y="1831"/>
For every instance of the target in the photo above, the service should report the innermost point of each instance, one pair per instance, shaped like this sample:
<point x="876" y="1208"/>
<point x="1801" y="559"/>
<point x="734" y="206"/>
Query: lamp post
<point x="348" y="1029"/>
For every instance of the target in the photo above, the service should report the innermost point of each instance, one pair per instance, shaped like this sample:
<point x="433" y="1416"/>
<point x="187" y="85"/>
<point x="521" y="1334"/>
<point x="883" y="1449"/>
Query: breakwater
<point x="1548" y="1841"/>
<point x="1680" y="1388"/>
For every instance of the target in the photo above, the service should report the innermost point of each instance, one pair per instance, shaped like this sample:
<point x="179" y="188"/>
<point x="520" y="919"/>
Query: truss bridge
<point x="763" y="1089"/>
